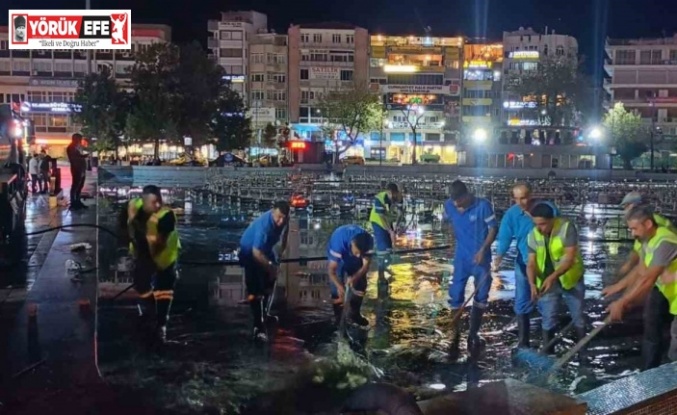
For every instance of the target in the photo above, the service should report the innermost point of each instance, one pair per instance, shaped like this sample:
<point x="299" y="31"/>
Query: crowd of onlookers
<point x="39" y="169"/>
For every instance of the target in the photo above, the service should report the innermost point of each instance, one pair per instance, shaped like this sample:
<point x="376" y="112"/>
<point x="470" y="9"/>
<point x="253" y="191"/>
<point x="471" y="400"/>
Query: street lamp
<point x="596" y="133"/>
<point x="480" y="135"/>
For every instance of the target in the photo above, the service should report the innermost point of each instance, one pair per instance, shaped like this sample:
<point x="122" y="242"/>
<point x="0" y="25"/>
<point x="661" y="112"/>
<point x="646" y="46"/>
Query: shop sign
<point x="331" y="74"/>
<point x="524" y="54"/>
<point x="59" y="107"/>
<point x="422" y="89"/>
<point x="64" y="83"/>
<point x="518" y="105"/>
<point x="259" y="115"/>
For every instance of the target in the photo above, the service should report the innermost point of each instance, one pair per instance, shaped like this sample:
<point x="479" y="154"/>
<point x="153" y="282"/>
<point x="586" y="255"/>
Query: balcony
<point x="212" y="43"/>
<point x="474" y="102"/>
<point x="212" y="25"/>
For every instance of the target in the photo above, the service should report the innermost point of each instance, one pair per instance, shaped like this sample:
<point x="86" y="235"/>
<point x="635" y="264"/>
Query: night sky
<point x="588" y="20"/>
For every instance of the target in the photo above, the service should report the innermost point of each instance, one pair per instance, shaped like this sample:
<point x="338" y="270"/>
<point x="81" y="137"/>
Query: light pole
<point x="88" y="6"/>
<point x="380" y="143"/>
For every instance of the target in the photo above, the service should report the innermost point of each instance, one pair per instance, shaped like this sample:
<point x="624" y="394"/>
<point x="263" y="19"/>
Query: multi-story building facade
<point x="524" y="49"/>
<point x="419" y="79"/>
<point x="481" y="105"/>
<point x="642" y="74"/>
<point x="228" y="44"/>
<point x="268" y="80"/>
<point x="524" y="139"/>
<point x="43" y="83"/>
<point x="322" y="57"/>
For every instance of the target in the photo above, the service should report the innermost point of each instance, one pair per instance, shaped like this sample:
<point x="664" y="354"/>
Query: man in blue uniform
<point x="348" y="255"/>
<point x="259" y="261"/>
<point x="474" y="225"/>
<point x="517" y="224"/>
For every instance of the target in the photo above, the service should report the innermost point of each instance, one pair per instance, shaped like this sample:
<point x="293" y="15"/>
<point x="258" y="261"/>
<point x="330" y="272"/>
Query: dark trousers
<point x="35" y="182"/>
<point x="656" y="316"/>
<point x="44" y="181"/>
<point x="155" y="287"/>
<point x="78" y="182"/>
<point x="259" y="288"/>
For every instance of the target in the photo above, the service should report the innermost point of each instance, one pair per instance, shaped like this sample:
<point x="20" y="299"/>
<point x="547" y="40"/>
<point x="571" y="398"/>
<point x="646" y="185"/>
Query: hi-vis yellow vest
<point x="170" y="254"/>
<point x="375" y="217"/>
<point x="556" y="249"/>
<point x="661" y="221"/>
<point x="667" y="281"/>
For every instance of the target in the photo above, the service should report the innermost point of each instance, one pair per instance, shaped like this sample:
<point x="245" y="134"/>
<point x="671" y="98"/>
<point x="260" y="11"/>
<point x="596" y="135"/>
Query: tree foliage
<point x="354" y="110"/>
<point x="554" y="86"/>
<point x="103" y="109"/>
<point x="627" y="133"/>
<point x="270" y="135"/>
<point x="229" y="125"/>
<point x="413" y="116"/>
<point x="175" y="92"/>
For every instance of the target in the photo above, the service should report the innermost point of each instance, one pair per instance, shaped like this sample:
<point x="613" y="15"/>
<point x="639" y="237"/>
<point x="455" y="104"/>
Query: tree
<point x="627" y="133"/>
<point x="354" y="110"/>
<point x="154" y="79"/>
<point x="413" y="115"/>
<point x="553" y="87"/>
<point x="270" y="135"/>
<point x="102" y="110"/>
<point x="199" y="90"/>
<point x="230" y="126"/>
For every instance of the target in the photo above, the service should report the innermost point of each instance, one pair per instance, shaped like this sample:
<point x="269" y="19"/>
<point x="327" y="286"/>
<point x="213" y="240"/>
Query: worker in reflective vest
<point x="382" y="219"/>
<point x="655" y="283"/>
<point x="155" y="247"/>
<point x="555" y="270"/>
<point x="630" y="201"/>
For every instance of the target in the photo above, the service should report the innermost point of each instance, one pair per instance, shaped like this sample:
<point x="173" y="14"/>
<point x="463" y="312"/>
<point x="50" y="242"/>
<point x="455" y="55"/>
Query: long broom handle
<point x="564" y="359"/>
<point x="474" y="293"/>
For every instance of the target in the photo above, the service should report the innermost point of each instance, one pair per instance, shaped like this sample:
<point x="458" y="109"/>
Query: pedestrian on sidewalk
<point x="78" y="162"/>
<point x="45" y="175"/>
<point x="155" y="247"/>
<point x="260" y="263"/>
<point x="34" y="171"/>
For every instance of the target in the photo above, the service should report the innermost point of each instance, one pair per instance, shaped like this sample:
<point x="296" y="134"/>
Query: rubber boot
<point x="355" y="307"/>
<point x="548" y="335"/>
<point x="162" y="308"/>
<point x="523" y="328"/>
<point x="454" y="349"/>
<point x="473" y="333"/>
<point x="338" y="311"/>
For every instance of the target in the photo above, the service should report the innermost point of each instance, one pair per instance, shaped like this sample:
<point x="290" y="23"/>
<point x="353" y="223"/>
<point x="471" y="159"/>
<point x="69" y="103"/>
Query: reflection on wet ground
<point x="211" y="362"/>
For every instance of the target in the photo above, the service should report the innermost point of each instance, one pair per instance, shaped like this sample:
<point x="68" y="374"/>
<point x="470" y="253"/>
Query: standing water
<point x="211" y="363"/>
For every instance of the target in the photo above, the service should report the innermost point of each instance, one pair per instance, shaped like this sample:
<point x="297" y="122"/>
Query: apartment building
<point x="228" y="44"/>
<point x="482" y="86"/>
<point x="419" y="79"/>
<point x="322" y="57"/>
<point x="524" y="49"/>
<point x="268" y="80"/>
<point x="642" y="74"/>
<point x="43" y="83"/>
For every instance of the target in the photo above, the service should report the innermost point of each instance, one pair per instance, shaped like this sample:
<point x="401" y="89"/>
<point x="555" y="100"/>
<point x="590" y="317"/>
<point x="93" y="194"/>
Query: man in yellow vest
<point x="555" y="270"/>
<point x="155" y="246"/>
<point x="382" y="221"/>
<point x="655" y="283"/>
<point x="629" y="202"/>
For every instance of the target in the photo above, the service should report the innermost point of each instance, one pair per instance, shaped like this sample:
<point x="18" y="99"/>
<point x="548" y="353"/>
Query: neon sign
<point x="60" y="107"/>
<point x="524" y="54"/>
<point x="297" y="145"/>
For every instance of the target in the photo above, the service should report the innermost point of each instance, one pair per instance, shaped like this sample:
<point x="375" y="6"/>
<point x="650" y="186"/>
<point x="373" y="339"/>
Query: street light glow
<point x="480" y="135"/>
<point x="596" y="133"/>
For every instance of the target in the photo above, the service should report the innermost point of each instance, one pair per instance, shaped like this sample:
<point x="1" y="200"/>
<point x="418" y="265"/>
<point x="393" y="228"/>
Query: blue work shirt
<point x="471" y="227"/>
<point x="261" y="234"/>
<point x="338" y="249"/>
<point x="517" y="224"/>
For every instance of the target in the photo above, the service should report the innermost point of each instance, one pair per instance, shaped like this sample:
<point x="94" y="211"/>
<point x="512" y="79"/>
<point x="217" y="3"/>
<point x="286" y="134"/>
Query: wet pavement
<point x="211" y="364"/>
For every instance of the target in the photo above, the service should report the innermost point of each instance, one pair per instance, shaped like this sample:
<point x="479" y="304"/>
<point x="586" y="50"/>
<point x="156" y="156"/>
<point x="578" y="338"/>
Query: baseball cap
<point x="630" y="198"/>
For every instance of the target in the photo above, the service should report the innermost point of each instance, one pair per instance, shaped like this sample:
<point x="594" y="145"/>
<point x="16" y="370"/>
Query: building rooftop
<point x="643" y="41"/>
<point x="328" y="26"/>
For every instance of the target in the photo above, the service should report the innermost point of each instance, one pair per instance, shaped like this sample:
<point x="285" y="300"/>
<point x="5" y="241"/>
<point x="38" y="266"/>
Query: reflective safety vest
<point x="661" y="221"/>
<point x="557" y="254"/>
<point x="667" y="281"/>
<point x="375" y="217"/>
<point x="170" y="254"/>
